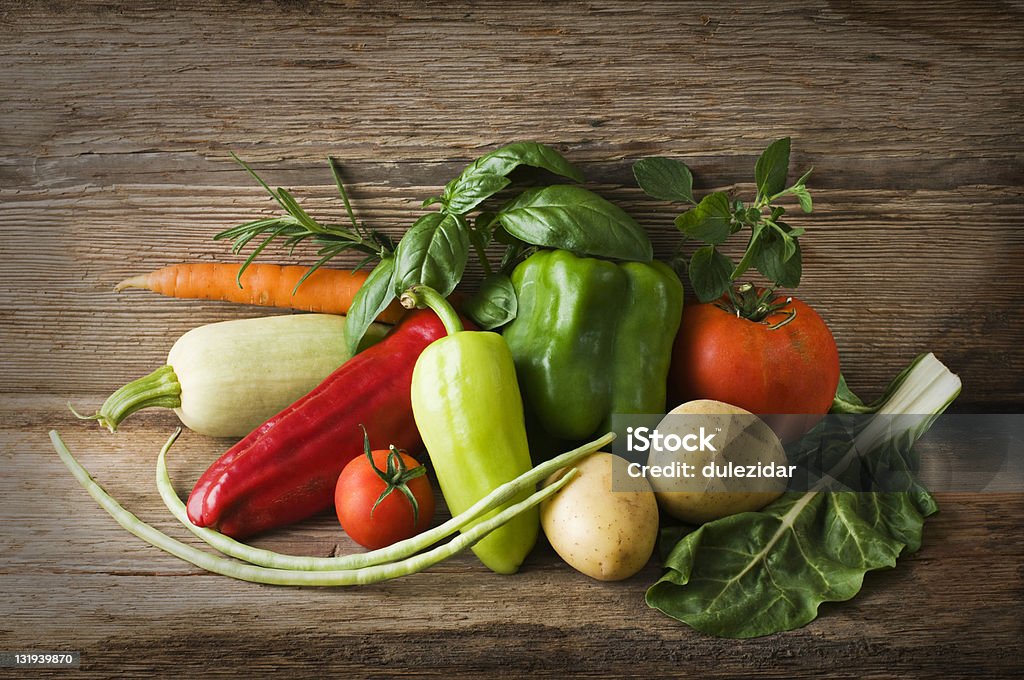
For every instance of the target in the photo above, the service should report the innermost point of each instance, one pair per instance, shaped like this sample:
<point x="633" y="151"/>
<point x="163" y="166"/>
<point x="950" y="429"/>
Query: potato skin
<point x="698" y="501"/>
<point x="605" y="534"/>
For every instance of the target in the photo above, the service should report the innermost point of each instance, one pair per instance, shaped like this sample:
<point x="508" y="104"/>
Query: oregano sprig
<point x="772" y="246"/>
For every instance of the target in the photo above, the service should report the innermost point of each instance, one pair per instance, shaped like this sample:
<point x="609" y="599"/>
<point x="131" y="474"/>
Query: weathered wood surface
<point x="115" y="128"/>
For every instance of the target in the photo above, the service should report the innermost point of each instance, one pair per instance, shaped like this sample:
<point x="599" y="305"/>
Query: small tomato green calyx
<point x="757" y="305"/>
<point x="772" y="248"/>
<point x="396" y="477"/>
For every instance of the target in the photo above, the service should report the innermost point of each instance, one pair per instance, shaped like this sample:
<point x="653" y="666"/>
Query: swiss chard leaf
<point x="433" y="252"/>
<point x="371" y="299"/>
<point x="573" y="218"/>
<point x="664" y="179"/>
<point x="495" y="304"/>
<point x="772" y="168"/>
<point x="757" y="573"/>
<point x="487" y="175"/>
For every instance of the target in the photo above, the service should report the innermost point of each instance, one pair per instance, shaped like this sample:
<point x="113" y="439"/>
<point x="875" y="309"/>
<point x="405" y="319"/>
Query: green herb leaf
<point x="371" y="299"/>
<point x="573" y="218"/>
<point x="495" y="304"/>
<point x="772" y="168"/>
<point x="710" y="221"/>
<point x="477" y="182"/>
<point x="473" y="190"/>
<point x="710" y="273"/>
<point x="433" y="252"/>
<point x="778" y="258"/>
<point x="804" y="196"/>
<point x="803" y="178"/>
<point x="664" y="179"/>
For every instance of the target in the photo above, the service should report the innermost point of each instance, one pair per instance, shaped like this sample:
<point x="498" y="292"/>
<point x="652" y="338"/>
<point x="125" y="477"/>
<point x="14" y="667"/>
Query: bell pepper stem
<point x="421" y="297"/>
<point x="160" y="388"/>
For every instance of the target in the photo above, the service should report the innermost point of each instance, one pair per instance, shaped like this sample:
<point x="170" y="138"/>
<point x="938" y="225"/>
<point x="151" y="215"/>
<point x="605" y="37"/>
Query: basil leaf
<point x="710" y="273"/>
<point x="710" y="221"/>
<point x="474" y="190"/>
<point x="433" y="252"/>
<point x="495" y="304"/>
<point x="772" y="168"/>
<point x="468" y="190"/>
<point x="664" y="179"/>
<point x="772" y="261"/>
<point x="371" y="299"/>
<point x="573" y="218"/>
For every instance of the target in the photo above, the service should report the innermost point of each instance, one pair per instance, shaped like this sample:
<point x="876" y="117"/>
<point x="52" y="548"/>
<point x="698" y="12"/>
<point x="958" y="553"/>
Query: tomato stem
<point x="757" y="305"/>
<point x="396" y="477"/>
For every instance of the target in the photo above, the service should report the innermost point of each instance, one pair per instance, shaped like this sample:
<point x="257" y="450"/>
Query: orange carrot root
<point x="329" y="291"/>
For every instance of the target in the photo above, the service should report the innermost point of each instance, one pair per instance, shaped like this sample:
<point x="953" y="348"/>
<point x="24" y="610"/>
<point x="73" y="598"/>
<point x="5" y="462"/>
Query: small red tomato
<point x="784" y="362"/>
<point x="383" y="497"/>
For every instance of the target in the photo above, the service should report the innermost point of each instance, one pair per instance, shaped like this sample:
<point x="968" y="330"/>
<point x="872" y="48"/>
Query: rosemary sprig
<point x="297" y="225"/>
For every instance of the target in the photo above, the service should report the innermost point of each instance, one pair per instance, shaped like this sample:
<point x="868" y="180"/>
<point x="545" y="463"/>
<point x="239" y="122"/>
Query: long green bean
<point x="397" y="551"/>
<point x="257" y="574"/>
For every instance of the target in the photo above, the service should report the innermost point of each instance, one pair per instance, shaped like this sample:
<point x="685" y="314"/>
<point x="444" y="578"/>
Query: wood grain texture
<point x="116" y="123"/>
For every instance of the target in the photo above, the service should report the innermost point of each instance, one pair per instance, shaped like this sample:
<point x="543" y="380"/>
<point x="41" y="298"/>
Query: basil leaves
<point x="488" y="174"/>
<point x="495" y="304"/>
<point x="436" y="249"/>
<point x="572" y="218"/>
<point x="772" y="247"/>
<point x="433" y="252"/>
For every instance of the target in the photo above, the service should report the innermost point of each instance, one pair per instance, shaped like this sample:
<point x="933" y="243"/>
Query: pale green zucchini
<point x="225" y="379"/>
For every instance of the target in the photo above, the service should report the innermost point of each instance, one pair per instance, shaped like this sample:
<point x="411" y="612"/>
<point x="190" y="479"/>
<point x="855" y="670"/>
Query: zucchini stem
<point x="158" y="389"/>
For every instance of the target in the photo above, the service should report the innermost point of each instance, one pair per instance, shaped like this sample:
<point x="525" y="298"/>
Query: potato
<point x="745" y="440"/>
<point x="605" y="534"/>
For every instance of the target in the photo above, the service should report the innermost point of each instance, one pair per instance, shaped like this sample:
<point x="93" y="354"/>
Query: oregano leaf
<point x="664" y="179"/>
<point x="771" y="259"/>
<point x="710" y="273"/>
<point x="710" y="221"/>
<point x="772" y="168"/>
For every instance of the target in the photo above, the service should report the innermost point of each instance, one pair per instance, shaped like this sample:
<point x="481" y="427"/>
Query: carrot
<point x="329" y="291"/>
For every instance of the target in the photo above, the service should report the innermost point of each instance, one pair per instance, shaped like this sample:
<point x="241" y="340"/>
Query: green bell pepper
<point x="592" y="338"/>
<point x="468" y="409"/>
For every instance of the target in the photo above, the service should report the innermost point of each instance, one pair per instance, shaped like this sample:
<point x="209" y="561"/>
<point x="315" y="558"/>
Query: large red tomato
<point x="765" y="367"/>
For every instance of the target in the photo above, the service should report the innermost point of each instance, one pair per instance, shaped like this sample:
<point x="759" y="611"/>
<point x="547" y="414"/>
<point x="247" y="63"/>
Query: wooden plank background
<point x="116" y="123"/>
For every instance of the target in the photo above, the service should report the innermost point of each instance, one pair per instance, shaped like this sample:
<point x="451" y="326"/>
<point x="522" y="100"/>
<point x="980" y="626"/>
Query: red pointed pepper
<point x="287" y="468"/>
